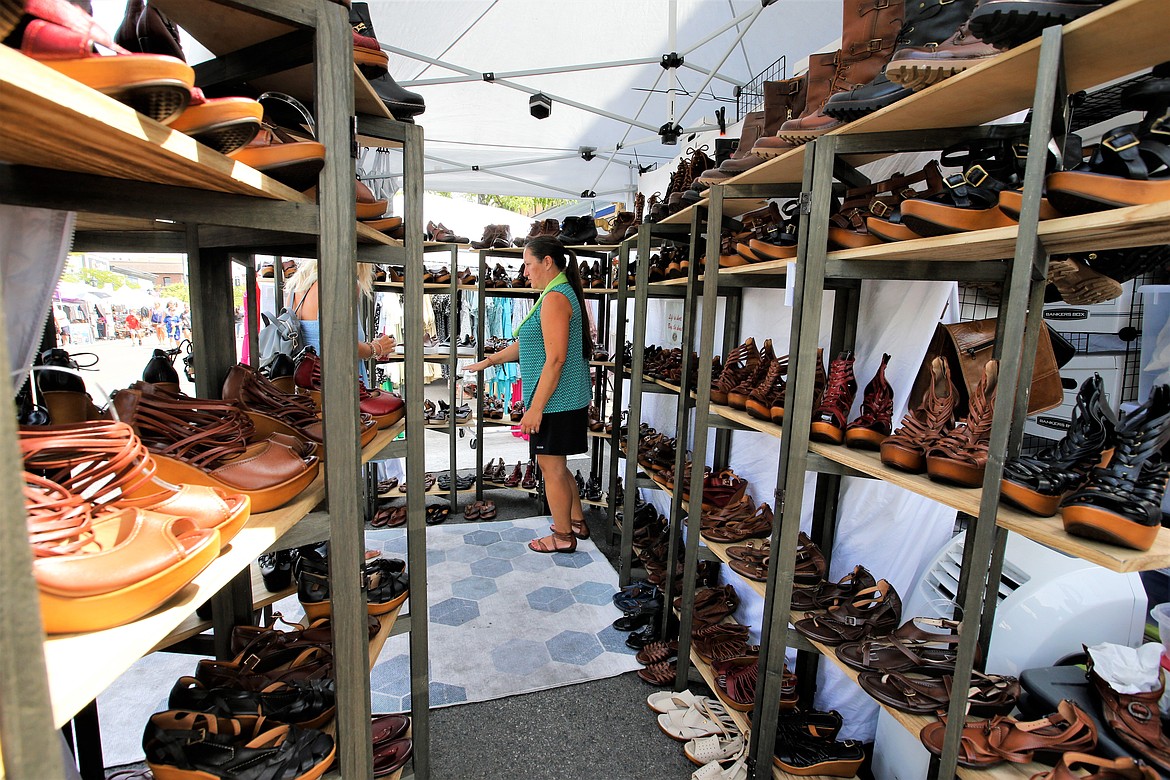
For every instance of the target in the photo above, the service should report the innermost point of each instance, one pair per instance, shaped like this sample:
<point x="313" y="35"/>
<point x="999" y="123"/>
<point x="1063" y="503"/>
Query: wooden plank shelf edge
<point x="1046" y="530"/>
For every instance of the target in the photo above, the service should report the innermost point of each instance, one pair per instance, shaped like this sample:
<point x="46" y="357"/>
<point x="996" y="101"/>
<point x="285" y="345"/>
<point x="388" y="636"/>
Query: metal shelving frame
<point x="1018" y="323"/>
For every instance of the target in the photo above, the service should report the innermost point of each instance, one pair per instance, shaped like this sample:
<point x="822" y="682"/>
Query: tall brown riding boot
<point x="818" y="87"/>
<point x="783" y="100"/>
<point x="868" y="37"/>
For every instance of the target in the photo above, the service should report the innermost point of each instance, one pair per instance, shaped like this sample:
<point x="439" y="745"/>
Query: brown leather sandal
<point x="989" y="742"/>
<point x="1107" y="769"/>
<point x="922" y="694"/>
<point x="908" y="647"/>
<point x="872" y="612"/>
<point x="656" y="653"/>
<point x="1134" y="719"/>
<point x="758" y="525"/>
<point x="543" y="545"/>
<point x="831" y="594"/>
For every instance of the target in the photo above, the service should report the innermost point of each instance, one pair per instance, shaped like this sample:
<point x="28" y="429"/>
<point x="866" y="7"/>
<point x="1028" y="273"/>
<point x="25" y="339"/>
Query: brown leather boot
<point x="1135" y="720"/>
<point x="622" y="221"/>
<point x="917" y="67"/>
<point x="753" y="128"/>
<point x="832" y="414"/>
<point x="533" y="232"/>
<point x="818" y="87"/>
<point x="783" y="100"/>
<point x="868" y="37"/>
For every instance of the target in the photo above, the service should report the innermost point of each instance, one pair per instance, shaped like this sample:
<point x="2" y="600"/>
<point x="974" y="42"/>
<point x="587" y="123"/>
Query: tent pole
<point x="716" y="33"/>
<point x="694" y="98"/>
<point x="518" y="87"/>
<point x="511" y="74"/>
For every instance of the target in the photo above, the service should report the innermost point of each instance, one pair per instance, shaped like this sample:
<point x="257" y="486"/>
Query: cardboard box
<point x="1053" y="423"/>
<point x="1108" y="317"/>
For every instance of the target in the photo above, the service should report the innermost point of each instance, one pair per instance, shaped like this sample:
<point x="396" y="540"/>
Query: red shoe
<point x="385" y="408"/>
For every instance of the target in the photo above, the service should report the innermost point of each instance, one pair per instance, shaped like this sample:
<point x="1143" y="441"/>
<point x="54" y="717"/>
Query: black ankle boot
<point x="161" y="368"/>
<point x="1038" y="482"/>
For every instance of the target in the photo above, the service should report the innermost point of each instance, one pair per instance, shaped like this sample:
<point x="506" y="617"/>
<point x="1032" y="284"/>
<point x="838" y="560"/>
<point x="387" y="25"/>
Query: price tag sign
<point x="674" y="323"/>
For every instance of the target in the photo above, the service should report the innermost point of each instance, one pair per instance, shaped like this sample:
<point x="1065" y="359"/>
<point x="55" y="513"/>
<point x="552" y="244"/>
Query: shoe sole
<point x="155" y="85"/>
<point x="224" y="124"/>
<point x="855" y="109"/>
<point x="1075" y="192"/>
<point x="372" y="64"/>
<point x="864" y="439"/>
<point x="1090" y="522"/>
<point x="371" y="210"/>
<point x="768" y="152"/>
<point x="841" y="238"/>
<point x="64" y="614"/>
<point x="1008" y="23"/>
<point x="772" y="251"/>
<point x="954" y="472"/>
<point x="263" y="500"/>
<point x="902" y="459"/>
<point x="385" y="421"/>
<point x="936" y="219"/>
<point x="167" y="772"/>
<point x="1011" y="201"/>
<point x="759" y="411"/>
<point x="1026" y="498"/>
<point x="826" y="433"/>
<point x="295" y="165"/>
<point x="844" y="768"/>
<point x="920" y="75"/>
<point x="889" y="231"/>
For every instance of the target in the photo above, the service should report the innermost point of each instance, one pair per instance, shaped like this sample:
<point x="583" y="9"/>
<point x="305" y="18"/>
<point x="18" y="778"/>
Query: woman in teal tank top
<point x="553" y="348"/>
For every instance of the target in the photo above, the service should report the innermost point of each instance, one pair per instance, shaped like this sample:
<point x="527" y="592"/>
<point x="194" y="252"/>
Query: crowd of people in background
<point x="168" y="322"/>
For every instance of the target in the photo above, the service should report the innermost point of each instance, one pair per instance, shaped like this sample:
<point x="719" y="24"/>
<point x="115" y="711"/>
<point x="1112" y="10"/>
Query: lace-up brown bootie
<point x="934" y="417"/>
<point x="961" y="456"/>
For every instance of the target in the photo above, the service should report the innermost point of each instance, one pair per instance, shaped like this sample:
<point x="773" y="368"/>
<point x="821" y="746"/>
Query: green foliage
<point x="237" y="295"/>
<point x="521" y="204"/>
<point x="99" y="279"/>
<point x="177" y="291"/>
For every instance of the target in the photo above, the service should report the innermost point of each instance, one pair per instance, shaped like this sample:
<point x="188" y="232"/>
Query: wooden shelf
<point x="720" y="551"/>
<point x="80" y="666"/>
<point x="599" y="435"/>
<point x="224" y="29"/>
<point x="1045" y="530"/>
<point x="434" y="491"/>
<point x="1110" y="43"/>
<point x="367" y="235"/>
<point x="746" y="420"/>
<point x="195" y="625"/>
<point x="52" y="121"/>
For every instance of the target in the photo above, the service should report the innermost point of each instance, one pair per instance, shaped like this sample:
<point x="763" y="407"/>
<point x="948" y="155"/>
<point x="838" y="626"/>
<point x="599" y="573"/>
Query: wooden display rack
<point x="141" y="186"/>
<point x="1108" y="44"/>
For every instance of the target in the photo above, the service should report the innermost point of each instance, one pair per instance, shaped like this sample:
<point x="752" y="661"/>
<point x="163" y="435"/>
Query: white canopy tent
<point x="598" y="61"/>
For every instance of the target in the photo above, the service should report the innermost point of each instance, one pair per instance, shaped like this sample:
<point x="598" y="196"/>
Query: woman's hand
<point x="481" y="365"/>
<point x="530" y="422"/>
<point x="383" y="345"/>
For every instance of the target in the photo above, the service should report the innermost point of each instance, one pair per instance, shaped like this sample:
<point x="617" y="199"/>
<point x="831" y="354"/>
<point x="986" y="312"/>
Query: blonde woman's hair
<point x="306" y="277"/>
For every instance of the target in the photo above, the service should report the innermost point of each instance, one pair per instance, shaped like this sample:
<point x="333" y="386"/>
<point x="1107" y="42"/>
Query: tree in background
<point x="520" y="204"/>
<point x="177" y="291"/>
<point x="98" y="278"/>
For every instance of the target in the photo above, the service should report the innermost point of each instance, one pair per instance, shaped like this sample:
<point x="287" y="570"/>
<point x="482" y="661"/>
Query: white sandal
<point x="670" y="701"/>
<point x="706" y="719"/>
<point x="715" y="748"/>
<point x="715" y="771"/>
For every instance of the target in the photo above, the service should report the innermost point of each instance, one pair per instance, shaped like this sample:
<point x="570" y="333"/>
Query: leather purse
<point x="967" y="346"/>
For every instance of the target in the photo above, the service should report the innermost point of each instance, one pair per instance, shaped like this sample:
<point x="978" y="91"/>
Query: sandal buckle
<point x="954" y="181"/>
<point x="879" y="209"/>
<point x="1120" y="142"/>
<point x="976" y="171"/>
<point x="200" y="735"/>
<point x="251" y="662"/>
<point x="850" y="620"/>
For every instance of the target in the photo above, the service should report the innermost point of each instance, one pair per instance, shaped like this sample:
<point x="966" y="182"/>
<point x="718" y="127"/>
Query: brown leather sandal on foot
<point x="544" y="545"/>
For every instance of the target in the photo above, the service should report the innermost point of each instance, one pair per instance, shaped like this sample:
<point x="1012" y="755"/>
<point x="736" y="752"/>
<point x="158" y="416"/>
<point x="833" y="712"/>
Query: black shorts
<point x="561" y="433"/>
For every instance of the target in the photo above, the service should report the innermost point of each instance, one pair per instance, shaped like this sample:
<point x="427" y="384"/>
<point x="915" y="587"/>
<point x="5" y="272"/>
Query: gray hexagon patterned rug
<point x="504" y="620"/>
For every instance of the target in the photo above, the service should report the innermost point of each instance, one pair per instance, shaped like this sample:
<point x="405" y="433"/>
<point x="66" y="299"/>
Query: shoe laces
<point x="839" y="375"/>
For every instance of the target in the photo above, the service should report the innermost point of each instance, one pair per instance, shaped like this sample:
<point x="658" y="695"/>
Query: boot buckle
<point x="1120" y="142"/>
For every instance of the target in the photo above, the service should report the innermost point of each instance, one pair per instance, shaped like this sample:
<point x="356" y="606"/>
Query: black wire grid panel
<point x="750" y="97"/>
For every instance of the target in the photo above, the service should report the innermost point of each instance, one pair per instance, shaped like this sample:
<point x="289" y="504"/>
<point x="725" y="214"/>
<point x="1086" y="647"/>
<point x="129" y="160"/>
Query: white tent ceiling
<point x="441" y="48"/>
